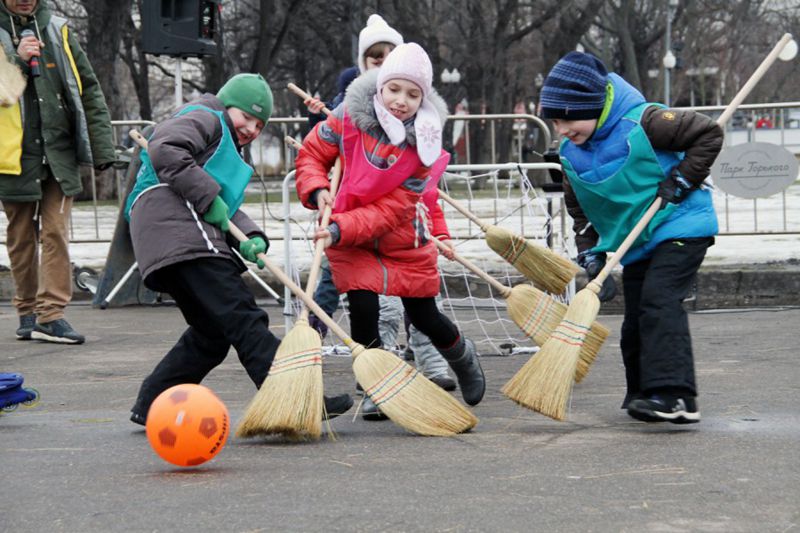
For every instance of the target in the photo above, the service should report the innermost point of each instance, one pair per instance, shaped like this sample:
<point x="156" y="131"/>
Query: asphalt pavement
<point x="75" y="463"/>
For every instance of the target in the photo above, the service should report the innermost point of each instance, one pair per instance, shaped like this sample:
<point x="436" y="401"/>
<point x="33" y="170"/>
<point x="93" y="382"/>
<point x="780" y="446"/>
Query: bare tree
<point x="136" y="61"/>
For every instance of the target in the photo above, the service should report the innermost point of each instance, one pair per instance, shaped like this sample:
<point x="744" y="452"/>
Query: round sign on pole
<point x="754" y="170"/>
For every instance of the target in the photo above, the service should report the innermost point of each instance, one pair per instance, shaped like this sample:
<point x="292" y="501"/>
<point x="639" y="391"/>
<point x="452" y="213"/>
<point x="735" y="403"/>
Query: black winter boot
<point x="337" y="405"/>
<point x="463" y="359"/>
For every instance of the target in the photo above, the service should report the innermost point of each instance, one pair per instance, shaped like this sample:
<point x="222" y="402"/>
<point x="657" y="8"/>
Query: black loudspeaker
<point x="180" y="28"/>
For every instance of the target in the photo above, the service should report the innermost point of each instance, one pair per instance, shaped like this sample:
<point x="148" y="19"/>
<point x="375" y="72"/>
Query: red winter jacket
<point x="379" y="250"/>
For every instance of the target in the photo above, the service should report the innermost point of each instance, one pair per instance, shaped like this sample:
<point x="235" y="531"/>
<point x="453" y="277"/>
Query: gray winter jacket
<point x="167" y="223"/>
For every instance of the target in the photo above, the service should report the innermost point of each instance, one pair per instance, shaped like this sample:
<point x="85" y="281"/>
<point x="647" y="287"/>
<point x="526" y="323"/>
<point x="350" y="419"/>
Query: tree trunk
<point x="136" y="61"/>
<point x="105" y="22"/>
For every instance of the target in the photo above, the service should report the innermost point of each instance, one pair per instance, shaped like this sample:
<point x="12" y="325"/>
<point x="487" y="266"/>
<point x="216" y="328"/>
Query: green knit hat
<point x="250" y="93"/>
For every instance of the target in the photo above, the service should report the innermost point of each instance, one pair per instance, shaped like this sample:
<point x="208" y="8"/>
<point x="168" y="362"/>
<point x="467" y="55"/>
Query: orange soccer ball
<point x="187" y="425"/>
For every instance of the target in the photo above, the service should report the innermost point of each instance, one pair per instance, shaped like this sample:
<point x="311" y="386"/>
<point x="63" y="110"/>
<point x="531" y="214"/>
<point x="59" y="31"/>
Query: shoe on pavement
<point x="137" y="418"/>
<point x="629" y="397"/>
<point x="318" y="325"/>
<point x="444" y="381"/>
<point x="370" y="411"/>
<point x="26" y="324"/>
<point x="665" y="408"/>
<point x="408" y="354"/>
<point x="336" y="405"/>
<point x="58" y="331"/>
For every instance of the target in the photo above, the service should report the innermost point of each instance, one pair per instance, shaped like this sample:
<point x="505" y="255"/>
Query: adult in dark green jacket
<point x="60" y="122"/>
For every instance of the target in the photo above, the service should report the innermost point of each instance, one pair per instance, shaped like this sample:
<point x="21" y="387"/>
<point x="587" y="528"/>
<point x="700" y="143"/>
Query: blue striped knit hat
<point x="575" y="88"/>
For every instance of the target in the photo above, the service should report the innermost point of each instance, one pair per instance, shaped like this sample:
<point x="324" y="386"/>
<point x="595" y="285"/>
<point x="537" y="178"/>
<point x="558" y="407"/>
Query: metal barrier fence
<point x="511" y="203"/>
<point x="525" y="132"/>
<point x="524" y="136"/>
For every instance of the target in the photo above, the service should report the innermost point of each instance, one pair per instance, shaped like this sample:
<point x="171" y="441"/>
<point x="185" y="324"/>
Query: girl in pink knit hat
<point x="388" y="132"/>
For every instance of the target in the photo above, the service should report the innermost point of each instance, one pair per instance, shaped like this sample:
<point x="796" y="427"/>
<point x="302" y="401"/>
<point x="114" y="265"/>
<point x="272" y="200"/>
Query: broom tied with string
<point x="537" y="314"/>
<point x="545" y="382"/>
<point x="290" y="401"/>
<point x="406" y="396"/>
<point x="538" y="263"/>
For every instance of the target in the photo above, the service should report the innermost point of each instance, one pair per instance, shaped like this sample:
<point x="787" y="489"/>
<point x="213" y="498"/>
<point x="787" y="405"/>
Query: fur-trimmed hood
<point x="359" y="105"/>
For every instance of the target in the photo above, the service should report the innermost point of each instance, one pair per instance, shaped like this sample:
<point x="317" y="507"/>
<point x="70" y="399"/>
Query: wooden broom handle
<point x="626" y="244"/>
<point x="138" y="138"/>
<point x="305" y="96"/>
<point x="502" y="289"/>
<point x="463" y="210"/>
<point x="307" y="300"/>
<point x="754" y="79"/>
<point x="723" y="118"/>
<point x="319" y="247"/>
<point x="292" y="142"/>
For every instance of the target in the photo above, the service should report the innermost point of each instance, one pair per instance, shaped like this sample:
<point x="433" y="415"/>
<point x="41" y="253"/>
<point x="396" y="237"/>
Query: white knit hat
<point x="376" y="31"/>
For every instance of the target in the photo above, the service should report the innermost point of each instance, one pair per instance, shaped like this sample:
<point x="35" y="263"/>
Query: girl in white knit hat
<point x="389" y="134"/>
<point x="375" y="42"/>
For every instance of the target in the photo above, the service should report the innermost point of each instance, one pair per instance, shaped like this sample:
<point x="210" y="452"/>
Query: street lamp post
<point x="669" y="58"/>
<point x="450" y="78"/>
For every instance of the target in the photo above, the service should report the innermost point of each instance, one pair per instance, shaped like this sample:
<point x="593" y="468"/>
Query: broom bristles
<point x="537" y="263"/>
<point x="407" y="397"/>
<point x="538" y="314"/>
<point x="12" y="81"/>
<point x="544" y="383"/>
<point x="290" y="401"/>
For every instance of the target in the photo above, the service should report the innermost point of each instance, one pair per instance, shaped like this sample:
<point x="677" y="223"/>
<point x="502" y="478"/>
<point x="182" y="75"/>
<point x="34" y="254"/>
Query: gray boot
<point x="468" y="371"/>
<point x="370" y="411"/>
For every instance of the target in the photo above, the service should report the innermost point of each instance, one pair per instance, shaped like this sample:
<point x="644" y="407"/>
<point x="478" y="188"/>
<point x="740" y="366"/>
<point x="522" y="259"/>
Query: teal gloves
<point x="217" y="214"/>
<point x="251" y="248"/>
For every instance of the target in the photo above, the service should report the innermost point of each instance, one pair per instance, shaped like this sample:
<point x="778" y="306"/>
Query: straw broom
<point x="537" y="263"/>
<point x="537" y="314"/>
<point x="545" y="382"/>
<point x="12" y="81"/>
<point x="290" y="401"/>
<point x="406" y="396"/>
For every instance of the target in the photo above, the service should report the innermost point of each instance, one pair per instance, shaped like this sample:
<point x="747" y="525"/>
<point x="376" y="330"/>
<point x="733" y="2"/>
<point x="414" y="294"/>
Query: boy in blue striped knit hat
<point x="619" y="152"/>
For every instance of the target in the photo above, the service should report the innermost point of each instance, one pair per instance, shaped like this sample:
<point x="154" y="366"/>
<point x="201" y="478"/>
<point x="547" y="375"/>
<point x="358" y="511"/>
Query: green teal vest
<point x="615" y="204"/>
<point x="225" y="165"/>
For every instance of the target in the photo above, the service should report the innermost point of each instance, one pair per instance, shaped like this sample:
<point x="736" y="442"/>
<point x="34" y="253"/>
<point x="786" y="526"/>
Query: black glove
<point x="593" y="263"/>
<point x="103" y="166"/>
<point x="674" y="189"/>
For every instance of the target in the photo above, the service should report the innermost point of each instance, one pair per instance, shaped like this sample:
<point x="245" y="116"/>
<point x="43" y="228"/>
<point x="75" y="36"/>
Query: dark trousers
<point x="656" y="343"/>
<point x="422" y="312"/>
<point x="326" y="295"/>
<point x="221" y="312"/>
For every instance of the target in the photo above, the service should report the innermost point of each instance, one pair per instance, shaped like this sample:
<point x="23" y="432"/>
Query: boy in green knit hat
<point x="191" y="182"/>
